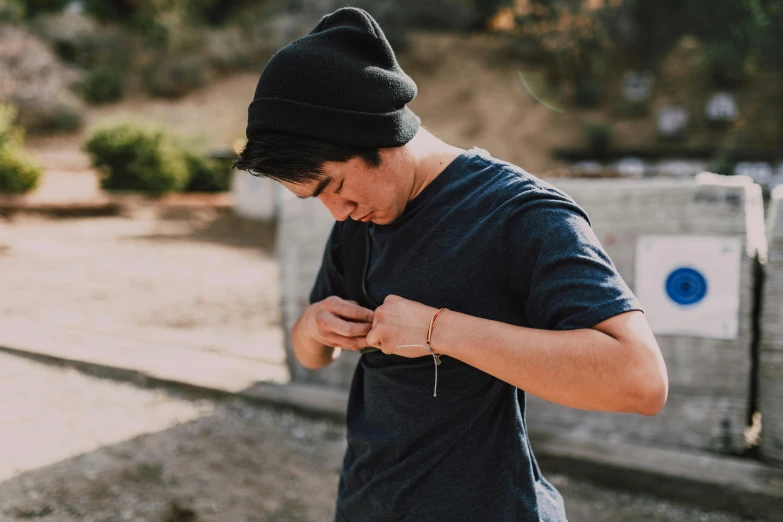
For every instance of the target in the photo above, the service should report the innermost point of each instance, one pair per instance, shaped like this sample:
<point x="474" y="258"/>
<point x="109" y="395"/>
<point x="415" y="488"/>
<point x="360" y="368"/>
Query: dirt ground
<point x="204" y="281"/>
<point x="144" y="455"/>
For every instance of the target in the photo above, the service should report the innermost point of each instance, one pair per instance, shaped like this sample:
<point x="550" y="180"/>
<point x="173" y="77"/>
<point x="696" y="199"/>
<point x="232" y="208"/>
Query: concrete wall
<point x="302" y="230"/>
<point x="771" y="353"/>
<point x="709" y="379"/>
<point x="255" y="197"/>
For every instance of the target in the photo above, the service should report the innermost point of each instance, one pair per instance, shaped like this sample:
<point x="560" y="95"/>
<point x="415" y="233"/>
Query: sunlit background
<point x="146" y="288"/>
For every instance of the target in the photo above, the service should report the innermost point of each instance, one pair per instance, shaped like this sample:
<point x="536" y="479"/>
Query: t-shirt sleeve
<point x="561" y="270"/>
<point x="330" y="279"/>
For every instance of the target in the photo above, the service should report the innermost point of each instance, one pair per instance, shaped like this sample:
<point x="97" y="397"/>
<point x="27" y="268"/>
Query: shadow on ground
<point x="219" y="226"/>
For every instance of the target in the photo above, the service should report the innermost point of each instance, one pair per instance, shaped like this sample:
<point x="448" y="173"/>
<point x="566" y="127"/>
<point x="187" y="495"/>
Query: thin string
<point x="434" y="358"/>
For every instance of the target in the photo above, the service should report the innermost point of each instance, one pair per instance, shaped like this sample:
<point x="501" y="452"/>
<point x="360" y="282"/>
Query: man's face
<point x="355" y="190"/>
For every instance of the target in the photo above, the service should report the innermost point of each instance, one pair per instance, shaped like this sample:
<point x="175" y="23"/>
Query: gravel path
<point x="104" y="451"/>
<point x="109" y="452"/>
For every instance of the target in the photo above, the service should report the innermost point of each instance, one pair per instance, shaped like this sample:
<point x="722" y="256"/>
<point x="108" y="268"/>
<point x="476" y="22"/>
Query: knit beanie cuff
<point x="358" y="129"/>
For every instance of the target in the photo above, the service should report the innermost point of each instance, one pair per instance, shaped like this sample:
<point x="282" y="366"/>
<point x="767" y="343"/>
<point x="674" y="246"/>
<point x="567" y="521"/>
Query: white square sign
<point x="689" y="285"/>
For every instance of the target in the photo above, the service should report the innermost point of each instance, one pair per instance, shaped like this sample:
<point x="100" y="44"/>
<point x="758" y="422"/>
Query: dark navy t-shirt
<point x="484" y="238"/>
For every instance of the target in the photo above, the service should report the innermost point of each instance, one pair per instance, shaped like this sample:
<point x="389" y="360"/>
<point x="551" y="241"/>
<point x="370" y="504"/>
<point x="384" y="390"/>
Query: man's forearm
<point x="583" y="368"/>
<point x="311" y="353"/>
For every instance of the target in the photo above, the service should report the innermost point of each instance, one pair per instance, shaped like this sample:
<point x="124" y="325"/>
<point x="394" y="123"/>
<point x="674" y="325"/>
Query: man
<point x="532" y="302"/>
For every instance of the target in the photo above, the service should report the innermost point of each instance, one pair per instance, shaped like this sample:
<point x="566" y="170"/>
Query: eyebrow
<point x="319" y="188"/>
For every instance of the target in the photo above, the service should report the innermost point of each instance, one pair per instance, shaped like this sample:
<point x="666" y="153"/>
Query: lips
<point x="367" y="217"/>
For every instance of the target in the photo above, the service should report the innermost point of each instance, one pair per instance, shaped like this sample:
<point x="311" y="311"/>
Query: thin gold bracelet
<point x="435" y="357"/>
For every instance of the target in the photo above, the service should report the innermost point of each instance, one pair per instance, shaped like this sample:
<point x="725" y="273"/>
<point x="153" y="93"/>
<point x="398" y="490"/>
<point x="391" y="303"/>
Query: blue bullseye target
<point x="686" y="286"/>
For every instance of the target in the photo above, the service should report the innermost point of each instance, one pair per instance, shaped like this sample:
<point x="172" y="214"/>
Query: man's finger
<point x="372" y="339"/>
<point x="350" y="310"/>
<point x="331" y="323"/>
<point x="347" y="343"/>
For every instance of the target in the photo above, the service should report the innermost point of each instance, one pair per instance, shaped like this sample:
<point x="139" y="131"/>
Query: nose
<point x="340" y="210"/>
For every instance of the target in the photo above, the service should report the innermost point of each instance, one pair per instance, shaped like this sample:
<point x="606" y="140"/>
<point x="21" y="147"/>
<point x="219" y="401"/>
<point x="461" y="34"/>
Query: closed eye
<point x="340" y="187"/>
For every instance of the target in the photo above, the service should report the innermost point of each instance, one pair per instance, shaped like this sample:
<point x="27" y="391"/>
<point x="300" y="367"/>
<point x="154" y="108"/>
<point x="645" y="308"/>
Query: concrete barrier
<point x="709" y="379"/>
<point x="302" y="229"/>
<point x="254" y="197"/>
<point x="771" y="351"/>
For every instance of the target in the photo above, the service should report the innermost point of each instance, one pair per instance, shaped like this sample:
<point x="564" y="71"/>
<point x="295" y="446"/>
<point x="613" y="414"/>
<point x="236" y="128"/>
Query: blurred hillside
<point x="518" y="78"/>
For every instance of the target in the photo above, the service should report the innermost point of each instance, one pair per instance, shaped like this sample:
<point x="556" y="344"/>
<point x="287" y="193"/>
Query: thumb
<point x="372" y="338"/>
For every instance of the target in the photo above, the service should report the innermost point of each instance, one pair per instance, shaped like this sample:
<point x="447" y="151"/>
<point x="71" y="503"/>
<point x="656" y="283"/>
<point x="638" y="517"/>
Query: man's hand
<point x="339" y="323"/>
<point x="399" y="322"/>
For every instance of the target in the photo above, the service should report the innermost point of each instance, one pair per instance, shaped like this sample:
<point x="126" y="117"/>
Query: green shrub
<point x="116" y="10"/>
<point x="18" y="173"/>
<point x="723" y="165"/>
<point x="207" y="174"/>
<point x="175" y="76"/>
<point x="102" y="85"/>
<point x="227" y="49"/>
<point x="36" y="7"/>
<point x="76" y="38"/>
<point x="11" y="11"/>
<point x="725" y="63"/>
<point x="10" y="134"/>
<point x="598" y="136"/>
<point x="213" y="12"/>
<point x="589" y="92"/>
<point x="60" y="115"/>
<point x="138" y="157"/>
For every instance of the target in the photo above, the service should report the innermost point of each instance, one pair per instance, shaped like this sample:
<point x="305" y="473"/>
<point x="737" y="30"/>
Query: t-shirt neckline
<point x="428" y="192"/>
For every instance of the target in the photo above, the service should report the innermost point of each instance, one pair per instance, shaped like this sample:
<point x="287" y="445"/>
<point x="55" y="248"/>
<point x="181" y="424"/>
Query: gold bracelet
<point x="435" y="356"/>
<point x="429" y="332"/>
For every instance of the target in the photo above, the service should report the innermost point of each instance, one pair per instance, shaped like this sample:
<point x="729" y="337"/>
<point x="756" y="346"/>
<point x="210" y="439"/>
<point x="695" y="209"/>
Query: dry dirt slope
<point x="468" y="95"/>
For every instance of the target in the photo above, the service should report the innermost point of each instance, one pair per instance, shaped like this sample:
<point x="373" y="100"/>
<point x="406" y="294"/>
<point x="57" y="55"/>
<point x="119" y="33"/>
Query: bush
<point x="103" y="85"/>
<point x="213" y="12"/>
<point x="36" y="7"/>
<point x="138" y="157"/>
<point x="175" y="76"/>
<point x="79" y="39"/>
<point x="723" y="165"/>
<point x="725" y="63"/>
<point x="598" y="136"/>
<point x="207" y="174"/>
<point x="117" y="10"/>
<point x="228" y="49"/>
<point x="37" y="83"/>
<point x="11" y="11"/>
<point x="10" y="135"/>
<point x="18" y="173"/>
<point x="589" y="92"/>
<point x="62" y="114"/>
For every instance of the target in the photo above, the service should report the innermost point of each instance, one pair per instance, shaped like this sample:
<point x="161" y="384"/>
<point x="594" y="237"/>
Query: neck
<point x="430" y="156"/>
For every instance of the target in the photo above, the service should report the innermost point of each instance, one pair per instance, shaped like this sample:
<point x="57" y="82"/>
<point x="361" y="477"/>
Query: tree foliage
<point x="579" y="35"/>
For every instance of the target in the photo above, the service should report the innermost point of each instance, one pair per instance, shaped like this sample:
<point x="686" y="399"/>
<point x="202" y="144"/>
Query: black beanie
<point x="340" y="83"/>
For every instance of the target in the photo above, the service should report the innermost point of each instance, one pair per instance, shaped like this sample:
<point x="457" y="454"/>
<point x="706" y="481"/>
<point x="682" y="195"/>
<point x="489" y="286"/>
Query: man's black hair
<point x="295" y="159"/>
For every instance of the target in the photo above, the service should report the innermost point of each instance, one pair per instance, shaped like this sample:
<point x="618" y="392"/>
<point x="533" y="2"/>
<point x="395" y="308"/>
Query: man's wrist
<point x="311" y="352"/>
<point x="439" y="336"/>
